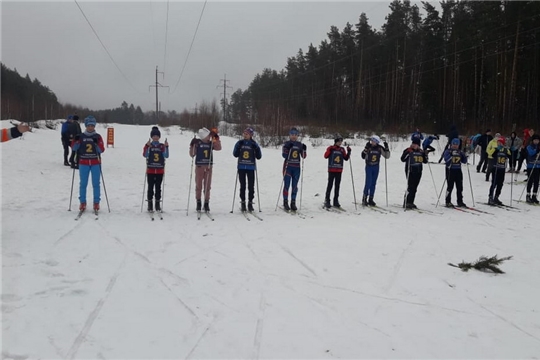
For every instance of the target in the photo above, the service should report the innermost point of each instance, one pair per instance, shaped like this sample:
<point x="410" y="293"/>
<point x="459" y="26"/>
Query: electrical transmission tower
<point x="157" y="85"/>
<point x="224" y="93"/>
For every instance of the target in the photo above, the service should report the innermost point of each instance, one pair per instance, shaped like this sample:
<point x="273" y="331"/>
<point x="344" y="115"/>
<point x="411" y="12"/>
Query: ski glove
<point x="385" y="146"/>
<point x="193" y="142"/>
<point x="304" y="147"/>
<point x="348" y="150"/>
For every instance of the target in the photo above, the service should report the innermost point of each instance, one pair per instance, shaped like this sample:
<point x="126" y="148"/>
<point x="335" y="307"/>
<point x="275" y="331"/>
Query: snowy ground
<point x="354" y="285"/>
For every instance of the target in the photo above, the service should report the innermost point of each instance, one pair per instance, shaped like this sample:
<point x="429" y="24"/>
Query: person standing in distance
<point x="248" y="152"/>
<point x="292" y="151"/>
<point x="155" y="154"/>
<point x="336" y="156"/>
<point x="372" y="154"/>
<point x="89" y="147"/>
<point x="413" y="157"/>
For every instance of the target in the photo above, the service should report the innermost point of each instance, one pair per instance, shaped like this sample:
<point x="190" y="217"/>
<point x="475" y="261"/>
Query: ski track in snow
<point x="298" y="260"/>
<point x="71" y="354"/>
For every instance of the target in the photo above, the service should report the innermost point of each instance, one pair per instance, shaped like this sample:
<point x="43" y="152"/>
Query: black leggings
<point x="534" y="178"/>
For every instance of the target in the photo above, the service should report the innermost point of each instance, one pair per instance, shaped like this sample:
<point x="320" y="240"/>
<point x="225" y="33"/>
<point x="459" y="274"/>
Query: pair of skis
<point x="207" y="213"/>
<point x="81" y="212"/>
<point x="248" y="218"/>
<point x="160" y="214"/>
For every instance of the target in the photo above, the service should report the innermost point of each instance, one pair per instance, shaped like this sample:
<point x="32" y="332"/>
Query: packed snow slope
<point x="359" y="284"/>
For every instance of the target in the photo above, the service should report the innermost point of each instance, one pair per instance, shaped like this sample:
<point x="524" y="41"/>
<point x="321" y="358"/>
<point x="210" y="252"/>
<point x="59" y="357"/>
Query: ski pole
<point x="301" y="183"/>
<point x="352" y="180"/>
<point x="529" y="176"/>
<point x="144" y="187"/>
<point x="407" y="189"/>
<point x="162" y="192"/>
<point x="71" y="194"/>
<point x="189" y="188"/>
<point x="283" y="179"/>
<point x="234" y="193"/>
<point x="257" y="181"/>
<point x="442" y="187"/>
<point x="470" y="183"/>
<point x="511" y="186"/>
<point x="386" y="181"/>
<point x="433" y="179"/>
<point x="104" y="187"/>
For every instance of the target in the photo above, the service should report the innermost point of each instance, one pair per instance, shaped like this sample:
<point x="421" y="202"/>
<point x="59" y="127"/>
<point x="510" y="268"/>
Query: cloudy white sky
<point x="52" y="41"/>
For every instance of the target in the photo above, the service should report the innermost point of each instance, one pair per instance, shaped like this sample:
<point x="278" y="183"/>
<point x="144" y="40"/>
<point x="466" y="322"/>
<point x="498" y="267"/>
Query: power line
<point x="190" y="46"/>
<point x="104" y="47"/>
<point x="166" y="32"/>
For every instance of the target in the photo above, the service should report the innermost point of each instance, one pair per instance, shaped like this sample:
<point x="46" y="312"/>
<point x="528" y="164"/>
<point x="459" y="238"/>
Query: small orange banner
<point x="110" y="136"/>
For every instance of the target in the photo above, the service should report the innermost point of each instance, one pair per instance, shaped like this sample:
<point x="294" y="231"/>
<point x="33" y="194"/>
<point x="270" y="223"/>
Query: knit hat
<point x="203" y="133"/>
<point x="337" y="138"/>
<point x="90" y="120"/>
<point x="76" y="117"/>
<point x="249" y="131"/>
<point x="502" y="140"/>
<point x="455" y="141"/>
<point x="376" y="139"/>
<point x="294" y="131"/>
<point x="488" y="130"/>
<point x="498" y="135"/>
<point x="70" y="117"/>
<point x="416" y="141"/>
<point x="535" y="137"/>
<point x="155" y="132"/>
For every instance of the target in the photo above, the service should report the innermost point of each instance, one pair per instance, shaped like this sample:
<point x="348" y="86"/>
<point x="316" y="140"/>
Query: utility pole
<point x="224" y="103"/>
<point x="158" y="85"/>
<point x="189" y="118"/>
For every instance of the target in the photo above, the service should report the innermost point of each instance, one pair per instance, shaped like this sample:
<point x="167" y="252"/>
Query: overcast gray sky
<point x="53" y="42"/>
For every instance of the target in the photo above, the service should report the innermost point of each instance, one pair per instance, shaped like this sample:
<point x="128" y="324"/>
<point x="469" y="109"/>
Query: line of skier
<point x="89" y="146"/>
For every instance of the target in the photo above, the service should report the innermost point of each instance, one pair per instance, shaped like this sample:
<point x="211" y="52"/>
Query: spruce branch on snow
<point x="484" y="264"/>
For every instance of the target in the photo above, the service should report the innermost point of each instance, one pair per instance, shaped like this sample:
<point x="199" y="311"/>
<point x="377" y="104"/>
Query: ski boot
<point x="491" y="201"/>
<point x="96" y="207"/>
<point x="336" y="203"/>
<point x="82" y="207"/>
<point x="449" y="204"/>
<point x="461" y="204"/>
<point x="327" y="204"/>
<point x="364" y="201"/>
<point x="371" y="202"/>
<point x="528" y="199"/>
<point x="150" y="208"/>
<point x="250" y="206"/>
<point x="199" y="205"/>
<point x="158" y="205"/>
<point x="243" y="206"/>
<point x="286" y="205"/>
<point x="206" y="206"/>
<point x="293" y="205"/>
<point x="534" y="199"/>
<point x="497" y="201"/>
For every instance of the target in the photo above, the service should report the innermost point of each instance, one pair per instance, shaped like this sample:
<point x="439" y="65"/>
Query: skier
<point x="372" y="154"/>
<point x="483" y="143"/>
<point x="500" y="157"/>
<point x="426" y="144"/>
<point x="89" y="147"/>
<point x="202" y="149"/>
<point x="453" y="158"/>
<point x="335" y="154"/>
<point x="292" y="151"/>
<point x="155" y="154"/>
<point x="492" y="145"/>
<point x="417" y="135"/>
<point x="414" y="157"/>
<point x="533" y="165"/>
<point x="74" y="129"/>
<point x="452" y="134"/>
<point x="514" y="143"/>
<point x="527" y="133"/>
<point x="64" y="137"/>
<point x="248" y="152"/>
<point x="14" y="132"/>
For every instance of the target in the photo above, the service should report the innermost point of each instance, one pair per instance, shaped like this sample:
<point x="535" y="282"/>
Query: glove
<point x="409" y="150"/>
<point x="304" y="147"/>
<point x="95" y="140"/>
<point x="348" y="150"/>
<point x="193" y="142"/>
<point x="214" y="135"/>
<point x="77" y="137"/>
<point x="385" y="145"/>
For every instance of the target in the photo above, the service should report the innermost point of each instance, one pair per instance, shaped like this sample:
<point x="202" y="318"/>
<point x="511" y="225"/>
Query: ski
<point x="478" y="210"/>
<point x="525" y="202"/>
<point x="245" y="215"/>
<point x="79" y="215"/>
<point x="96" y="212"/>
<point x="423" y="211"/>
<point x="461" y="209"/>
<point x="374" y="208"/>
<point x="151" y="213"/>
<point x="160" y="214"/>
<point x="293" y="213"/>
<point x="377" y="207"/>
<point x="209" y="216"/>
<point x="334" y="209"/>
<point x="199" y="215"/>
<point x="255" y="215"/>
<point x="504" y="207"/>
